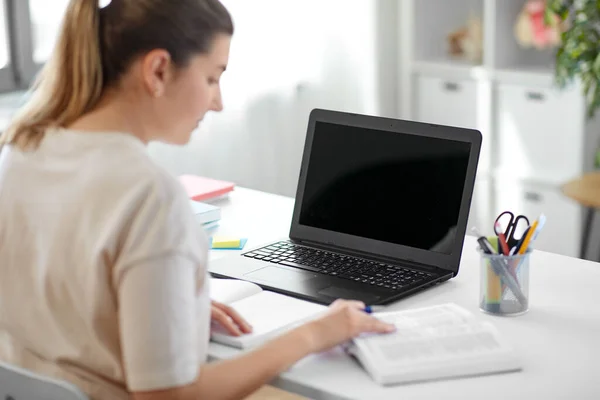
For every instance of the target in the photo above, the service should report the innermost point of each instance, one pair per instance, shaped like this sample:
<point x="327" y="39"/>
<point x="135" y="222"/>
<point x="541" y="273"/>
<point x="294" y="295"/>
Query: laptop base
<point x="312" y="285"/>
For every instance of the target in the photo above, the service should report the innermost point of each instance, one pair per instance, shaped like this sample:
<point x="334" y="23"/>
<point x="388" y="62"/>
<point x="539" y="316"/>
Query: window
<point x="7" y="81"/>
<point x="28" y="33"/>
<point x="4" y="53"/>
<point x="45" y="17"/>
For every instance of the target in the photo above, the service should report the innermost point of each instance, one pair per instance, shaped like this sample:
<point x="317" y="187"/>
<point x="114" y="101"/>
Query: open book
<point x="438" y="342"/>
<point x="269" y="313"/>
<point x="443" y="341"/>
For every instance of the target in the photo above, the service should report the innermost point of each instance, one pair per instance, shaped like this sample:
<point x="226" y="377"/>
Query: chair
<point x="19" y="384"/>
<point x="586" y="191"/>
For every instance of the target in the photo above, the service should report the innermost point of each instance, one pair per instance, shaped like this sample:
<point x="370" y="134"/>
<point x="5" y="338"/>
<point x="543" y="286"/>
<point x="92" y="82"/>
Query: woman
<point x="103" y="276"/>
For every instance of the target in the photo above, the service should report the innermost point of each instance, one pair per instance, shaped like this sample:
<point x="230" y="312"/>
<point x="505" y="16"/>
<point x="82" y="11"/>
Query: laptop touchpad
<point x="278" y="274"/>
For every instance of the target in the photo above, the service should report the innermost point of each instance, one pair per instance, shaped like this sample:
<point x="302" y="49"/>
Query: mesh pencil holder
<point x="504" y="283"/>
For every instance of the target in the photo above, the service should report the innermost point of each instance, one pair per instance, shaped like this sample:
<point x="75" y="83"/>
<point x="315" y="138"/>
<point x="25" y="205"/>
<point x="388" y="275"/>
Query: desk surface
<point x="558" y="339"/>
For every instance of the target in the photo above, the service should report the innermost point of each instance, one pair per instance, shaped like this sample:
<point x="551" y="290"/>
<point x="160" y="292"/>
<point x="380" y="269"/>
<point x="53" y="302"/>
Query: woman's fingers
<point x="241" y="323"/>
<point x="359" y="305"/>
<point x="376" y="325"/>
<point x="365" y="322"/>
<point x="222" y="318"/>
<point x="237" y="318"/>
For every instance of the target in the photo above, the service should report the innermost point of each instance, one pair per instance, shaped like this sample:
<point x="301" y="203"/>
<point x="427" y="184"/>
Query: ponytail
<point x="69" y="84"/>
<point x="95" y="48"/>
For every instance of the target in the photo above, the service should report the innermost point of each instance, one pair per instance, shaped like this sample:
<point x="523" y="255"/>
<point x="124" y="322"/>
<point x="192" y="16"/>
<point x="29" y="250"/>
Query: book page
<point x="437" y="334"/>
<point x="230" y="290"/>
<point x="428" y="317"/>
<point x="270" y="314"/>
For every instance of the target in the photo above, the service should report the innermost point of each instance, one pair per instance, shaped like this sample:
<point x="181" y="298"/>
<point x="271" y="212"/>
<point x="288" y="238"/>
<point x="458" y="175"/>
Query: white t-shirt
<point x="103" y="278"/>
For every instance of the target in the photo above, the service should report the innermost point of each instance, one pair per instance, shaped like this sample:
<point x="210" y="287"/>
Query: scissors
<point x="511" y="227"/>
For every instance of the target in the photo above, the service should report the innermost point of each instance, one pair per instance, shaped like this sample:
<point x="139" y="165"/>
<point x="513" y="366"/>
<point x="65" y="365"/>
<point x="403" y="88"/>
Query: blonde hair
<point x="96" y="46"/>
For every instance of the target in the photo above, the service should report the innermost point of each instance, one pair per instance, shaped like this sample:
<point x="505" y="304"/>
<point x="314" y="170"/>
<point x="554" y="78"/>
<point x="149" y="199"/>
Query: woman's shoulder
<point x="144" y="178"/>
<point x="123" y="160"/>
<point x="115" y="167"/>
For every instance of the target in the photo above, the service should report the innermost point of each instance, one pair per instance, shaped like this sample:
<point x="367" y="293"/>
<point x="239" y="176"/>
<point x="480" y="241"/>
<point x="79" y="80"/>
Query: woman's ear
<point x="156" y="72"/>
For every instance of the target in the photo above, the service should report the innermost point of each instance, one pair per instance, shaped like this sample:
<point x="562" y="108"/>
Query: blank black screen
<point x="393" y="187"/>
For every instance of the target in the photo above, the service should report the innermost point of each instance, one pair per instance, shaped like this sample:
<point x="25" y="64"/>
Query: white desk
<point x="558" y="339"/>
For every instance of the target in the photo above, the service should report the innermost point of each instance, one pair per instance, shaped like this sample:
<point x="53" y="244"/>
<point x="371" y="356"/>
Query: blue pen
<point x="372" y="309"/>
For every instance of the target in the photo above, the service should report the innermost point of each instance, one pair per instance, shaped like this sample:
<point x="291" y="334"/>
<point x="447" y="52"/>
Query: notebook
<point x="270" y="314"/>
<point x="432" y="343"/>
<point x="200" y="188"/>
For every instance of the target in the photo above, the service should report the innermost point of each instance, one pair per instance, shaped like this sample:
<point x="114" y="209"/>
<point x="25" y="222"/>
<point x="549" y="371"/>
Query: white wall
<point x="338" y="54"/>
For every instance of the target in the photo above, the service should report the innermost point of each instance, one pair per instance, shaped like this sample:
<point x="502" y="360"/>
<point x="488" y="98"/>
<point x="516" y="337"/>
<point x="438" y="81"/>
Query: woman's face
<point x="193" y="91"/>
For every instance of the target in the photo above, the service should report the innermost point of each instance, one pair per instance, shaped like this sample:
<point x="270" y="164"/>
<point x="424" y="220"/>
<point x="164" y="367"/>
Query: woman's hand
<point x="229" y="319"/>
<point x="345" y="320"/>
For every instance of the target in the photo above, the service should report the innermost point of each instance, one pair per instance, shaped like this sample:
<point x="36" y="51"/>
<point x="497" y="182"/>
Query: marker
<point x="486" y="246"/>
<point x="503" y="244"/>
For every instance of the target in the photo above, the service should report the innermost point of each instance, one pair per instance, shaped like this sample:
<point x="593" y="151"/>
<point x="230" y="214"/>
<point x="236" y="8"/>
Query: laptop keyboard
<point x="339" y="265"/>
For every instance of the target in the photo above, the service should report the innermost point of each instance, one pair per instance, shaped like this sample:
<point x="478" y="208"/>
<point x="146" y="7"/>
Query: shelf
<point x="458" y="69"/>
<point x="538" y="178"/>
<point x="435" y="20"/>
<point x="508" y="52"/>
<point x="450" y="68"/>
<point x="525" y="75"/>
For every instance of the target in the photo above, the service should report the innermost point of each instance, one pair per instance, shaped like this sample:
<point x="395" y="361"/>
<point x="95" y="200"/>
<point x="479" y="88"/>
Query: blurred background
<point x="484" y="64"/>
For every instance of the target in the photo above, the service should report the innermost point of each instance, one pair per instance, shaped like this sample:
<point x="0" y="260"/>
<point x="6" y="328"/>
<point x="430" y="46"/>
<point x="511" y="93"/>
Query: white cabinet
<point x="562" y="231"/>
<point x="540" y="132"/>
<point x="454" y="102"/>
<point x="446" y="101"/>
<point x="481" y="213"/>
<point x="535" y="136"/>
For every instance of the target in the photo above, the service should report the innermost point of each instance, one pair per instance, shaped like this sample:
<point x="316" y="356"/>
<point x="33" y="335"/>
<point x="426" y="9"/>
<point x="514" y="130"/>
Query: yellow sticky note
<point x="225" y="242"/>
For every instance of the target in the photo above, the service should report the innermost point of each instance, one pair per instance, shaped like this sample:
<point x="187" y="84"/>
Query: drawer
<point x="446" y="101"/>
<point x="453" y="102"/>
<point x="540" y="132"/>
<point x="562" y="232"/>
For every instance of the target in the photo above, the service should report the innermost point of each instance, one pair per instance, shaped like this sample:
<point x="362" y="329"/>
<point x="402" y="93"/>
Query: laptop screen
<point x="393" y="187"/>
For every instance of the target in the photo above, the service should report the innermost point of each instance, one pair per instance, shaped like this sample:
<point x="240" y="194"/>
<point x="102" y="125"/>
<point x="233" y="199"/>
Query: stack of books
<point x="206" y="214"/>
<point x="201" y="191"/>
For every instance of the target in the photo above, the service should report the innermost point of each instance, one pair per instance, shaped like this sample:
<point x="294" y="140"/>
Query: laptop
<point x="380" y="214"/>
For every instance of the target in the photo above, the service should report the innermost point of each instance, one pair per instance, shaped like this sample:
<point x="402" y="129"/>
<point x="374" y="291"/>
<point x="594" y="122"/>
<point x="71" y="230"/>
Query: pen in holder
<point x="504" y="283"/>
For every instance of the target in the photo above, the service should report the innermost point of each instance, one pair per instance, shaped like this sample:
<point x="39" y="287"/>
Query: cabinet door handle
<point x="451" y="86"/>
<point x="533" y="197"/>
<point x="536" y="96"/>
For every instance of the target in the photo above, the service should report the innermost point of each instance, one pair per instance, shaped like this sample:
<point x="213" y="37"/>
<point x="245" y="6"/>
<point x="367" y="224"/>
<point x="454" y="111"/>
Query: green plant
<point x="578" y="55"/>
